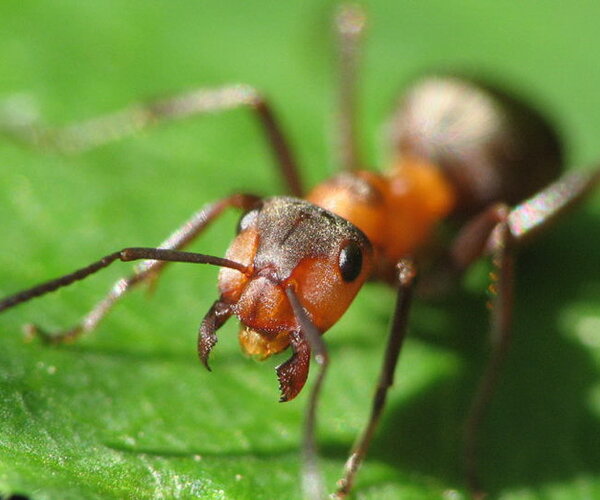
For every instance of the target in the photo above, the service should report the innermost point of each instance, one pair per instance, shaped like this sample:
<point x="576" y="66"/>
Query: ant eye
<point x="247" y="220"/>
<point x="350" y="261"/>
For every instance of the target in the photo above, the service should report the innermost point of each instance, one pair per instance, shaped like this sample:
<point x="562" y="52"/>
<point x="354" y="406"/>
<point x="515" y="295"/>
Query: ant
<point x="463" y="151"/>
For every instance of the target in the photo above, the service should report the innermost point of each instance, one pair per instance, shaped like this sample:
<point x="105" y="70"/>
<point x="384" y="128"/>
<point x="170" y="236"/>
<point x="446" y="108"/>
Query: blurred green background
<point x="128" y="412"/>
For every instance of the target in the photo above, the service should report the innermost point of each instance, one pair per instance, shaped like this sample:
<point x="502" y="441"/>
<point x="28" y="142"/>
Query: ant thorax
<point x="396" y="210"/>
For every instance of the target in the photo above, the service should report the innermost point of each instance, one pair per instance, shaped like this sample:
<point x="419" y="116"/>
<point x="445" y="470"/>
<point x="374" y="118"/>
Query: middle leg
<point x="82" y="136"/>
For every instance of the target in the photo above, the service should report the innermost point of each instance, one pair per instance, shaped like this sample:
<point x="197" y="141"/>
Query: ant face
<point x="287" y="242"/>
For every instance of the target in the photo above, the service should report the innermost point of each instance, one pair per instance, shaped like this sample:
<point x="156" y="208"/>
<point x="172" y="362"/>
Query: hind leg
<point x="498" y="232"/>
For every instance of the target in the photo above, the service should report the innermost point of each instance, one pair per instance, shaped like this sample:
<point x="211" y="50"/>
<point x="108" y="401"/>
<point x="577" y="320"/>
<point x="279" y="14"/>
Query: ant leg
<point x="192" y="228"/>
<point x="500" y="337"/>
<point x="406" y="278"/>
<point x="307" y="339"/>
<point x="349" y="26"/>
<point x="95" y="132"/>
<point x="498" y="231"/>
<point x="147" y="270"/>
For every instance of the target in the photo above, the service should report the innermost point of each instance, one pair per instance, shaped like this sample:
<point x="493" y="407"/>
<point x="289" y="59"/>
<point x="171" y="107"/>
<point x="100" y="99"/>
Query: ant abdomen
<point x="492" y="146"/>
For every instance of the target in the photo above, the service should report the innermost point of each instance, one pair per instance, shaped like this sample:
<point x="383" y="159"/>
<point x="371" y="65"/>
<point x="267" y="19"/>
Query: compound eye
<point x="350" y="261"/>
<point x="247" y="220"/>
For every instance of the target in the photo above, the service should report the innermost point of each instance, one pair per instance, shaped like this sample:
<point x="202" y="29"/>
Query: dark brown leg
<point x="349" y="26"/>
<point x="500" y="337"/>
<point x="309" y="339"/>
<point x="406" y="278"/>
<point x="111" y="127"/>
<point x="498" y="231"/>
<point x="148" y="270"/>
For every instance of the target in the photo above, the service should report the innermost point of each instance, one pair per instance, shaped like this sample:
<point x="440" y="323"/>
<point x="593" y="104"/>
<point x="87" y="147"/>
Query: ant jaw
<point x="215" y="318"/>
<point x="293" y="373"/>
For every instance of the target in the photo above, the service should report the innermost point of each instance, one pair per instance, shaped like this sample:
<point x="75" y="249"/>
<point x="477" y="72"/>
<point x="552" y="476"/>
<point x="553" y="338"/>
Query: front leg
<point x="406" y="274"/>
<point x="292" y="375"/>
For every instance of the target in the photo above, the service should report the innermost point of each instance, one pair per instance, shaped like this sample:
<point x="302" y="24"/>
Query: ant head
<point x="287" y="242"/>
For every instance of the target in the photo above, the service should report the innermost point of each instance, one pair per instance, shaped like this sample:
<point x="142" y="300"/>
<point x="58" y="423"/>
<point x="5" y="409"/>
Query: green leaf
<point x="128" y="412"/>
